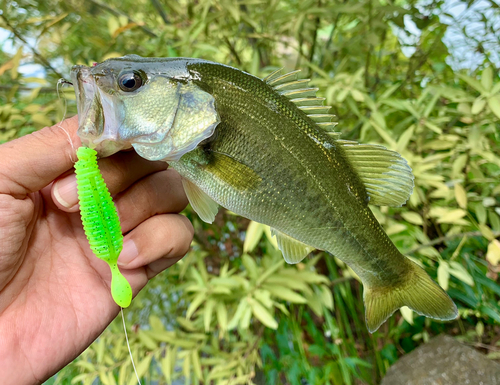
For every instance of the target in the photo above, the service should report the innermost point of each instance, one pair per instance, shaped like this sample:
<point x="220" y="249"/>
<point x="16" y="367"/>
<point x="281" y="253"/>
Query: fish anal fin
<point x="386" y="174"/>
<point x="417" y="291"/>
<point x="293" y="251"/>
<point x="205" y="207"/>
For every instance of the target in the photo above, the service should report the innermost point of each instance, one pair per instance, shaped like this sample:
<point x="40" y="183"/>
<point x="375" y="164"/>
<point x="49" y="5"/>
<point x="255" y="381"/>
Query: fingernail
<point x="65" y="191"/>
<point x="128" y="254"/>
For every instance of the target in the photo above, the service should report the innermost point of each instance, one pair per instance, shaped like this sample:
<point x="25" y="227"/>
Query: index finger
<point x="31" y="162"/>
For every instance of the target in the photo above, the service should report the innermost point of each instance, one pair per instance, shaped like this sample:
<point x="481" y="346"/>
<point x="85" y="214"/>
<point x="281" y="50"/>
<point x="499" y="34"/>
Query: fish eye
<point x="130" y="81"/>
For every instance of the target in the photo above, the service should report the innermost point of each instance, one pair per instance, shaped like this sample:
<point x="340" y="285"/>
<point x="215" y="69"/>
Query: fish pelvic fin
<point x="417" y="291"/>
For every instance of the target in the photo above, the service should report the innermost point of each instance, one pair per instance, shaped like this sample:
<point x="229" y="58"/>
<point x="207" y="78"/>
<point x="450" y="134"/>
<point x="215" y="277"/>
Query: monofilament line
<point x="59" y="83"/>
<point x="128" y="346"/>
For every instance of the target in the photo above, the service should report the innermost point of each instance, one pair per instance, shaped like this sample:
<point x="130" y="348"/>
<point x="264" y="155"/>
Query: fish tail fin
<point x="417" y="291"/>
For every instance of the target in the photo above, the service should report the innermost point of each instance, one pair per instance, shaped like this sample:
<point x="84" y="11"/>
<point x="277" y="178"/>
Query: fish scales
<point x="321" y="200"/>
<point x="241" y="142"/>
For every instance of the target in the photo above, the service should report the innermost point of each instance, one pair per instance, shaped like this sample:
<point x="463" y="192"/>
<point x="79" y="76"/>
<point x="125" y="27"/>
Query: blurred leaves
<point x="232" y="310"/>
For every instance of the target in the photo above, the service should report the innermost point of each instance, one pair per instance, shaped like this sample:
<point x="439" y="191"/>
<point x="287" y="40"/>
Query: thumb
<point x="31" y="162"/>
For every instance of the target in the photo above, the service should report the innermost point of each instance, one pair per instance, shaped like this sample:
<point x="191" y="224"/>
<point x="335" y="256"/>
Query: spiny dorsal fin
<point x="293" y="251"/>
<point x="386" y="174"/>
<point x="273" y="75"/>
<point x="277" y="77"/>
<point x="303" y="96"/>
<point x="329" y="127"/>
<point x="299" y="102"/>
<point x="205" y="207"/>
<point x="315" y="109"/>
<point x="334" y="135"/>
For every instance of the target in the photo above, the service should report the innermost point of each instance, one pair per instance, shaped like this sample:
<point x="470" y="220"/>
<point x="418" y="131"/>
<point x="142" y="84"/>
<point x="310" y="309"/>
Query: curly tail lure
<point x="100" y="221"/>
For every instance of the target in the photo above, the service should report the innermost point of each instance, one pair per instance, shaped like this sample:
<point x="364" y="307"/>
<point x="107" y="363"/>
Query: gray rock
<point x="443" y="361"/>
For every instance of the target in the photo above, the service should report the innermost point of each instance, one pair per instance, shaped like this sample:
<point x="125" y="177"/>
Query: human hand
<point x="54" y="293"/>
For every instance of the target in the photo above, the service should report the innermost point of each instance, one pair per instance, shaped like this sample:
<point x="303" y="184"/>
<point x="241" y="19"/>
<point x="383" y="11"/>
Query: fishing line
<point x="63" y="82"/>
<point x="128" y="346"/>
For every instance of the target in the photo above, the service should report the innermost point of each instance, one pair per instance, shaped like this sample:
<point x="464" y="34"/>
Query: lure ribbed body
<point x="100" y="221"/>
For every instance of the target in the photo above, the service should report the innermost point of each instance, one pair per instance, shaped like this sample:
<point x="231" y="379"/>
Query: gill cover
<point x="164" y="118"/>
<point x="182" y="116"/>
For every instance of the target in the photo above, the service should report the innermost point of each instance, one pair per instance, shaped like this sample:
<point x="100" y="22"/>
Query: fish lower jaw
<point x="107" y="147"/>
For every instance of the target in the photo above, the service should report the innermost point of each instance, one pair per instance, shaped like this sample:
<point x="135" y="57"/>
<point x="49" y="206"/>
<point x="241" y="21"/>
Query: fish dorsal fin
<point x="293" y="251"/>
<point x="278" y="77"/>
<point x="303" y="96"/>
<point x="205" y="207"/>
<point x="386" y="174"/>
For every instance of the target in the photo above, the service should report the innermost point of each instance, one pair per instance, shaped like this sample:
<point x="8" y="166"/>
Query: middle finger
<point x="158" y="193"/>
<point x="119" y="172"/>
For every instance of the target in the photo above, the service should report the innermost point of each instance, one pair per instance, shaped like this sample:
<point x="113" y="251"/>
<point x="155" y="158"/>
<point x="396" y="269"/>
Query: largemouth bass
<point x="264" y="149"/>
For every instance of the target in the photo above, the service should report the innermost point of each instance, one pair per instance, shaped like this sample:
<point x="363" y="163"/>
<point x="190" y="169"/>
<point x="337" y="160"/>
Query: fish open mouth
<point x="98" y="114"/>
<point x="162" y="119"/>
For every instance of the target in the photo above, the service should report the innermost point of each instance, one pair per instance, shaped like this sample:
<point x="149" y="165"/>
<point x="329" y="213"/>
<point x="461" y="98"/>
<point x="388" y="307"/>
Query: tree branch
<point x="329" y="42"/>
<point x="314" y="39"/>
<point x="120" y="13"/>
<point x="160" y="11"/>
<point x="233" y="50"/>
<point x="37" y="54"/>
<point x="24" y="88"/>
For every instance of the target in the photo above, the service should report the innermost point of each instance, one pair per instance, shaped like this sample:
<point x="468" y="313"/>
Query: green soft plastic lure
<point x="100" y="221"/>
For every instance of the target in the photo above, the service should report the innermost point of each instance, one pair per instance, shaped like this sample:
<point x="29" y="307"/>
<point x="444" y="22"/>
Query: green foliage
<point x="232" y="312"/>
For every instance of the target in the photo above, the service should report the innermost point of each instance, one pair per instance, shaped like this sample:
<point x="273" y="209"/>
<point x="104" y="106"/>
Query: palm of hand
<point x="47" y="248"/>
<point x="54" y="293"/>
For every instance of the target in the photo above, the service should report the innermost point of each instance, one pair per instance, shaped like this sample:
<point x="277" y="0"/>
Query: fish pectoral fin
<point x="386" y="175"/>
<point x="293" y="251"/>
<point x="417" y="291"/>
<point x="205" y="207"/>
<point x="232" y="171"/>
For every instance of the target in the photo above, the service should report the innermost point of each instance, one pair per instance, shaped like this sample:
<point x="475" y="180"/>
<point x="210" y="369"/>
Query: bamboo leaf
<point x="222" y="317"/>
<point x="413" y="218"/>
<point x="493" y="254"/>
<point x="404" y="139"/>
<point x="486" y="231"/>
<point x="16" y="60"/>
<point x="242" y="306"/>
<point x="146" y="340"/>
<point x="478" y="105"/>
<point x="458" y="271"/>
<point x="142" y="368"/>
<point x="452" y="216"/>
<point x="287" y="294"/>
<point x="461" y="196"/>
<point x="246" y="317"/>
<point x="41" y="119"/>
<point x="326" y="297"/>
<point x="155" y="323"/>
<point x="186" y="367"/>
<point x="407" y="314"/>
<point x="494" y="103"/>
<point x="195" y="358"/>
<point x="207" y="314"/>
<point x="443" y="274"/>
<point x="473" y="83"/>
<point x="250" y="266"/>
<point x="195" y="303"/>
<point x="262" y="314"/>
<point x="253" y="236"/>
<point x="104" y="377"/>
<point x="487" y="78"/>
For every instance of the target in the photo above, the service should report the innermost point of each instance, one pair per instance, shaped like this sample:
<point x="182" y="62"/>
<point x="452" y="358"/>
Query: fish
<point x="265" y="149"/>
